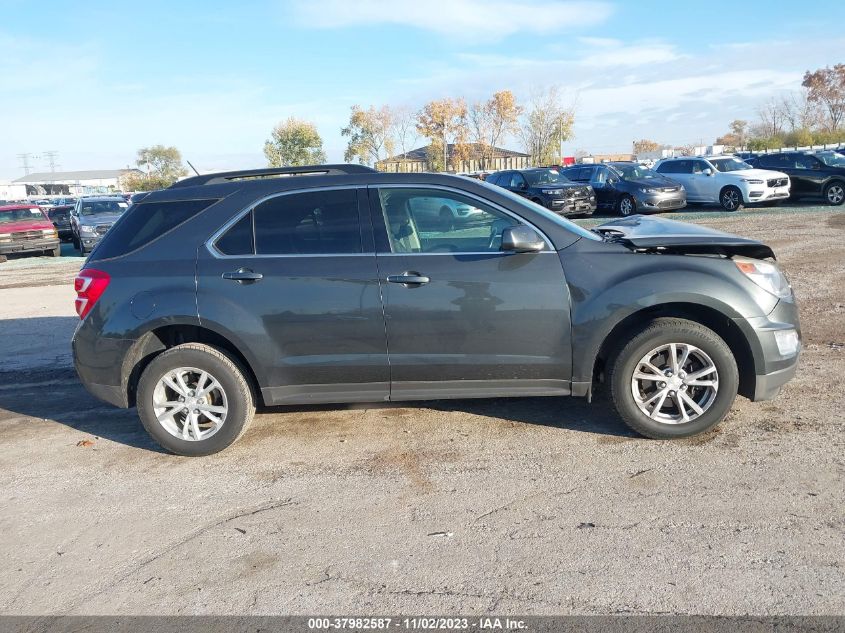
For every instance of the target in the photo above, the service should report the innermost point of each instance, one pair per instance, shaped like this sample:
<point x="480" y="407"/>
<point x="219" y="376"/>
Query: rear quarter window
<point x="146" y="222"/>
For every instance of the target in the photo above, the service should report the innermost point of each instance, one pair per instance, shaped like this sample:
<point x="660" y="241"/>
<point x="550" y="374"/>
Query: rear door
<point x="681" y="171"/>
<point x="463" y="317"/>
<point x="293" y="280"/>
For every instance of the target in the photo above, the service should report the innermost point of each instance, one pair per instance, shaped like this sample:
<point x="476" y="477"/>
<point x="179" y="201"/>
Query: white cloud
<point x="477" y="20"/>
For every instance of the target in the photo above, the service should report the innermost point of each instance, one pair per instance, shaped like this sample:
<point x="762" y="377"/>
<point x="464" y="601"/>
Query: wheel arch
<point x="707" y="316"/>
<point x="158" y="339"/>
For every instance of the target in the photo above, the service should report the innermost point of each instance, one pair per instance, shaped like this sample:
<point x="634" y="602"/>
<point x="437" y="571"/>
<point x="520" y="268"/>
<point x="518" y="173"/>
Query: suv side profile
<point x="318" y="285"/>
<point x="812" y="175"/>
<point x="725" y="180"/>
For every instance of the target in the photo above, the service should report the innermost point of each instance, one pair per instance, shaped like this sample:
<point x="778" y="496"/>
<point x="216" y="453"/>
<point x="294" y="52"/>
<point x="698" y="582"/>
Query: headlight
<point x="752" y="181"/>
<point x="84" y="229"/>
<point x="5" y="237"/>
<point x="49" y="232"/>
<point x="766" y="275"/>
<point x="648" y="190"/>
<point x="553" y="192"/>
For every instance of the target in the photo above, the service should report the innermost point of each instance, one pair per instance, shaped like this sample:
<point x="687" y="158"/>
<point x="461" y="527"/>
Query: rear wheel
<point x="674" y="379"/>
<point x="626" y="206"/>
<point x="194" y="400"/>
<point x="834" y="193"/>
<point x="731" y="199"/>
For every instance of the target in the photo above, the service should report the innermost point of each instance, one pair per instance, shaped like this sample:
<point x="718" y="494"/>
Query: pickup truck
<point x="25" y="228"/>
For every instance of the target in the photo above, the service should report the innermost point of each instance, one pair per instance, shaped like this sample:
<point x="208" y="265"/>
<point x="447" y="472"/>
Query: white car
<point x="726" y="180"/>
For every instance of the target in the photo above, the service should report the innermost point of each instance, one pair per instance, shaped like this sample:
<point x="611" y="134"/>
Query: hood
<point x="26" y="225"/>
<point x="647" y="233"/>
<point x="660" y="182"/>
<point x="100" y="218"/>
<point x="562" y="185"/>
<point x="762" y="174"/>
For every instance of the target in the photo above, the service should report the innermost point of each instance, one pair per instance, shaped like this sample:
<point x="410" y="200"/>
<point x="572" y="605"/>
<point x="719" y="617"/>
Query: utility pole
<point x="445" y="146"/>
<point x="51" y="158"/>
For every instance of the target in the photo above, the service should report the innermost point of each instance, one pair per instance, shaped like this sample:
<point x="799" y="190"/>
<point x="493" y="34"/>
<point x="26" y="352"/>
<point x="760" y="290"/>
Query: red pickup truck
<point x="25" y="228"/>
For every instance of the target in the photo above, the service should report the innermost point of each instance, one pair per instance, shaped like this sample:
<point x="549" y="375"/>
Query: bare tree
<point x="771" y="118"/>
<point x="404" y="129"/>
<point x="799" y="112"/>
<point x="546" y="124"/>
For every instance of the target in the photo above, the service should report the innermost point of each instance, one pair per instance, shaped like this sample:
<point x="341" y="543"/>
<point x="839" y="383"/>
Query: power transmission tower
<point x="24" y="158"/>
<point x="51" y="159"/>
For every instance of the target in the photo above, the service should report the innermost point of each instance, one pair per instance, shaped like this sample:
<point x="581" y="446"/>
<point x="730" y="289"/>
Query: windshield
<point x="729" y="164"/>
<point x="16" y="215"/>
<point x="831" y="159"/>
<point x="549" y="215"/>
<point x="631" y="171"/>
<point x="544" y="177"/>
<point x="103" y="207"/>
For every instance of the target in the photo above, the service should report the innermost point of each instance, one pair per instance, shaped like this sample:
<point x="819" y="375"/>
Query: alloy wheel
<point x="730" y="199"/>
<point x="835" y="194"/>
<point x="190" y="403"/>
<point x="675" y="383"/>
<point x="626" y="207"/>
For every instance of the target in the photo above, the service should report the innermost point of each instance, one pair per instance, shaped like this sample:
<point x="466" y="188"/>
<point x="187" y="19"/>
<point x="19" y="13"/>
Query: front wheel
<point x="674" y="379"/>
<point x="55" y="252"/>
<point x="76" y="243"/>
<point x="194" y="400"/>
<point x="626" y="206"/>
<point x="731" y="199"/>
<point x="834" y="193"/>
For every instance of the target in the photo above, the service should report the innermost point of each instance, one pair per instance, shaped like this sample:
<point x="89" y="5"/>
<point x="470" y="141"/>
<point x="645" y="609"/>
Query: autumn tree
<point x="544" y="127"/>
<point x="644" y="146"/>
<point x="294" y="142"/>
<point x="737" y="136"/>
<point x="162" y="166"/>
<point x="370" y="135"/>
<point x="826" y="87"/>
<point x="490" y="120"/>
<point x="444" y="123"/>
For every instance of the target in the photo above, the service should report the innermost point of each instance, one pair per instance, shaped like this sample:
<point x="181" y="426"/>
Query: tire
<point x="232" y="393"/>
<point x="731" y="198"/>
<point x="834" y="193"/>
<point x="76" y="243"/>
<point x="626" y="206"/>
<point x="447" y="221"/>
<point x="714" y="401"/>
<point x="55" y="252"/>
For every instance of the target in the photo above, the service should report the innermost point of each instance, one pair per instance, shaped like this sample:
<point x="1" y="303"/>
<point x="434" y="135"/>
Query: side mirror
<point x="707" y="172"/>
<point x="521" y="239"/>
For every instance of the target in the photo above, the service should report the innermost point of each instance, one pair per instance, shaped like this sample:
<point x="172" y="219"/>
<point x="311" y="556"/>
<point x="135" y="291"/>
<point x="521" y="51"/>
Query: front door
<point x="294" y="284"/>
<point x="463" y="317"/>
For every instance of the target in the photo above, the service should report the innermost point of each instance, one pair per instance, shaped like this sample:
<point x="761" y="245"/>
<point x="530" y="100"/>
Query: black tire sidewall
<point x="694" y="334"/>
<point x="827" y="191"/>
<point x="240" y="407"/>
<point x="633" y="206"/>
<point x="739" y="203"/>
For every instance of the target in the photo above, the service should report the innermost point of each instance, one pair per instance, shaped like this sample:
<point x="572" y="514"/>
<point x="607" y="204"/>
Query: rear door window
<point x="310" y="223"/>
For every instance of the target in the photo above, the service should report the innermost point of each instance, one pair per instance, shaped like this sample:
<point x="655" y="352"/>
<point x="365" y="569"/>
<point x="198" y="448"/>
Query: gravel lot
<point x="541" y="506"/>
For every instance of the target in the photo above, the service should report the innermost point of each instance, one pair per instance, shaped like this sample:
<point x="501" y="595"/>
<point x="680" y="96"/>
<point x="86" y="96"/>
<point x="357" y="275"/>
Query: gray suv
<point x="319" y="285"/>
<point x="91" y="218"/>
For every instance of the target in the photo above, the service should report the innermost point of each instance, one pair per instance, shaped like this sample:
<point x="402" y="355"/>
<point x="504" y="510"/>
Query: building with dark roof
<point x="470" y="158"/>
<point x="74" y="182"/>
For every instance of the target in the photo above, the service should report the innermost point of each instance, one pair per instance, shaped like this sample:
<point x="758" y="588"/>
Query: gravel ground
<point x="541" y="506"/>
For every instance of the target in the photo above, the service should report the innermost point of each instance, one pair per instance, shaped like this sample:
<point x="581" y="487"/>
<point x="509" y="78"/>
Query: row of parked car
<point x="627" y="187"/>
<point x="41" y="228"/>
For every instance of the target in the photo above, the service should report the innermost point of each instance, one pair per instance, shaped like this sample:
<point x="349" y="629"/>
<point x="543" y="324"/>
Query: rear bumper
<point x="29" y="246"/>
<point x="99" y="363"/>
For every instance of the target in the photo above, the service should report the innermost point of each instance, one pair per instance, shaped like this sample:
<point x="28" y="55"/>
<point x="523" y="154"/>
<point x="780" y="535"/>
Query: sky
<point x="94" y="81"/>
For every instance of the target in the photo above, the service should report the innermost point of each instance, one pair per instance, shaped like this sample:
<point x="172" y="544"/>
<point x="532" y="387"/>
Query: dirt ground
<point x="532" y="506"/>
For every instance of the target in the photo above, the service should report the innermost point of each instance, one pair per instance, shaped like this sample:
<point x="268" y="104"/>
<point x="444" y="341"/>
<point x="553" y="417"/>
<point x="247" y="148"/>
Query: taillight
<point x="89" y="285"/>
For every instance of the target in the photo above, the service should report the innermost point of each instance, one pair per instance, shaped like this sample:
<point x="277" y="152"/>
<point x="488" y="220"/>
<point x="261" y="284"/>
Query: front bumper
<point x="757" y="194"/>
<point x="29" y="246"/>
<point x="658" y="202"/>
<point x="89" y="241"/>
<point x="572" y="206"/>
<point x="772" y="369"/>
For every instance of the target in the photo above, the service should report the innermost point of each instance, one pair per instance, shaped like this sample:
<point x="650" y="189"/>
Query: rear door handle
<point x="408" y="279"/>
<point x="243" y="275"/>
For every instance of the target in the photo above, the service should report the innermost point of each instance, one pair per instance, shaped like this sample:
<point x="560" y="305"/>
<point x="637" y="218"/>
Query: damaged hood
<point x="647" y="233"/>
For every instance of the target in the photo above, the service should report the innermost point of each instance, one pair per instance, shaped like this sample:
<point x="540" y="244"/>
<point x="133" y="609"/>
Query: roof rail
<point x="269" y="172"/>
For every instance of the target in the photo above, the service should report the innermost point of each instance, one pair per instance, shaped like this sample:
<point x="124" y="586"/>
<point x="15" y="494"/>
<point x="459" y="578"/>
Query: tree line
<point x="470" y="130"/>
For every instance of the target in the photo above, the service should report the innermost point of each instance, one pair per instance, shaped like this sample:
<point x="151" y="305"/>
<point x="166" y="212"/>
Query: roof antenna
<point x="192" y="167"/>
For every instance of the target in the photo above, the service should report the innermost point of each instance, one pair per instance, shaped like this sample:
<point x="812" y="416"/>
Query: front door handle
<point x="409" y="278"/>
<point x="243" y="275"/>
